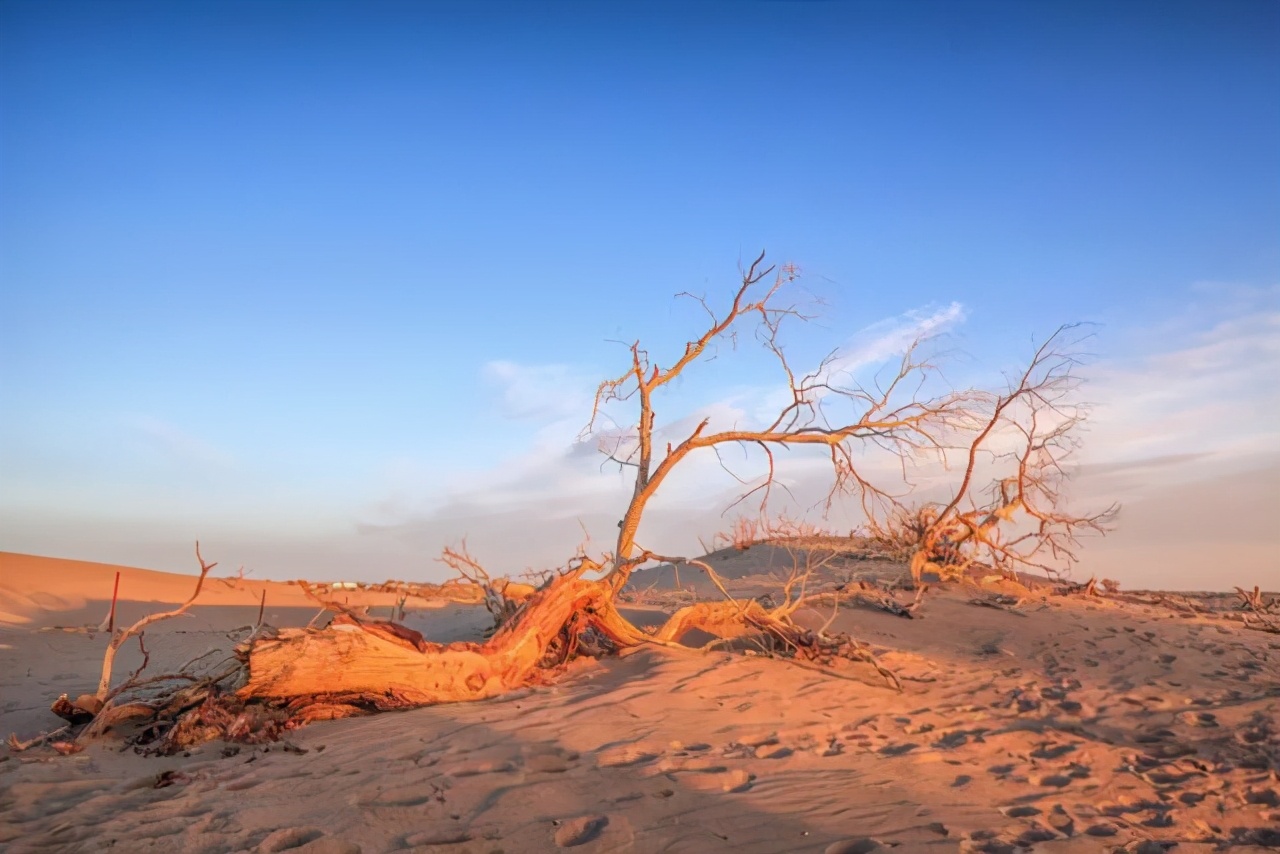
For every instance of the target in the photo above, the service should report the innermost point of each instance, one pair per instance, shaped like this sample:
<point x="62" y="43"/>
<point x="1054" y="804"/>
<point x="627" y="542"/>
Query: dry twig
<point x="108" y="658"/>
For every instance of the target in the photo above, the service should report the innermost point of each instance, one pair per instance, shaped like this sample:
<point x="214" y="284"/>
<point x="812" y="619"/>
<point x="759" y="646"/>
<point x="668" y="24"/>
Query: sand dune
<point x="1068" y="725"/>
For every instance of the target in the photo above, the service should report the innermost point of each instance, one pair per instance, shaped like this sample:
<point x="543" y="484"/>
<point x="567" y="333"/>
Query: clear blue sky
<point x="257" y="260"/>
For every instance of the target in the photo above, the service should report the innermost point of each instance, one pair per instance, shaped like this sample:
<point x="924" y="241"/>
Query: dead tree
<point x="356" y="664"/>
<point x="888" y="416"/>
<point x="1027" y="433"/>
<point x="1031" y="428"/>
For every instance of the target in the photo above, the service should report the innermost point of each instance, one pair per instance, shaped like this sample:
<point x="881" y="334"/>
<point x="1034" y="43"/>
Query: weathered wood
<point x="394" y="666"/>
<point x="383" y="665"/>
<point x="722" y="619"/>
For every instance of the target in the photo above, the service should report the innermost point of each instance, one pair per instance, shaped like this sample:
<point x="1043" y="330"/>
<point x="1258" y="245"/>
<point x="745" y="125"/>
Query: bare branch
<point x="108" y="658"/>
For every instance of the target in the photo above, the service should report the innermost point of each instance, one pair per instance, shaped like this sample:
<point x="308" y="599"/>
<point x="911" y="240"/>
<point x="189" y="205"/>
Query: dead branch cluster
<point x="149" y="704"/>
<point x="1254" y="609"/>
<point x="747" y="531"/>
<point x="1257" y="602"/>
<point x="502" y="596"/>
<point x="876" y="596"/>
<point x="970" y="533"/>
<point x="1259" y="611"/>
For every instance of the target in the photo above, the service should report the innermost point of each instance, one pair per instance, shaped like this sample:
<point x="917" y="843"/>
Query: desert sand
<point x="1036" y="722"/>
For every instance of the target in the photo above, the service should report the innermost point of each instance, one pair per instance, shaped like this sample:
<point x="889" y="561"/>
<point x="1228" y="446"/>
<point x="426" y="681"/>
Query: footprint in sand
<point x="1035" y="833"/>
<point x="436" y="837"/>
<point x="1263" y="797"/>
<point x="304" y="840"/>
<point x="579" y="831"/>
<point x="408" y="796"/>
<point x="496" y="766"/>
<point x="1052" y="751"/>
<point x="862" y="845"/>
<point x="626" y="755"/>
<point x="1198" y="719"/>
<point x="718" y="780"/>
<point x="959" y="738"/>
<point x="1022" y="811"/>
<point x="553" y="761"/>
<point x="735" y="750"/>
<point x="697" y="747"/>
<point x="1062" y="821"/>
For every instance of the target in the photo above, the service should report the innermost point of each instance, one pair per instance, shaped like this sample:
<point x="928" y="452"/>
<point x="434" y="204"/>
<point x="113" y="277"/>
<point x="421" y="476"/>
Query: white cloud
<point x="1215" y="391"/>
<point x="538" y="391"/>
<point x="869" y="349"/>
<point x="889" y="340"/>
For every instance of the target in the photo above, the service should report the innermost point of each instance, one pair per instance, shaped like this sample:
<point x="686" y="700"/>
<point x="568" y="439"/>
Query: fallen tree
<point x="356" y="664"/>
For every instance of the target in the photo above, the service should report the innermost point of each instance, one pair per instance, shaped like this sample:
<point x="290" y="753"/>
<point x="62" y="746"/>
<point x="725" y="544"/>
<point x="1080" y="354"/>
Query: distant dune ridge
<point x="1066" y="723"/>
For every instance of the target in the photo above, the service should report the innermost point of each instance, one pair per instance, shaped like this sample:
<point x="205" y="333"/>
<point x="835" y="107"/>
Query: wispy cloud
<point x="865" y="352"/>
<point x="1213" y="391"/>
<point x="178" y="445"/>
<point x="537" y="391"/>
<point x="889" y="339"/>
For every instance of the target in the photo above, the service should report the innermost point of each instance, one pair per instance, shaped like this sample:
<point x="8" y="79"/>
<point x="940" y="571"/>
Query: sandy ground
<point x="1063" y="725"/>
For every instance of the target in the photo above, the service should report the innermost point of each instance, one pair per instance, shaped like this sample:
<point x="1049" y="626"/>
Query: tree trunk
<point x="393" y="666"/>
<point x="353" y="665"/>
<point x="384" y="666"/>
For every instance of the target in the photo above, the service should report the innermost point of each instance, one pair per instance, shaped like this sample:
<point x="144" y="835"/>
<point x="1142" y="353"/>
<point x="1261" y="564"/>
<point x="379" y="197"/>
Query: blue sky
<point x="327" y="284"/>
